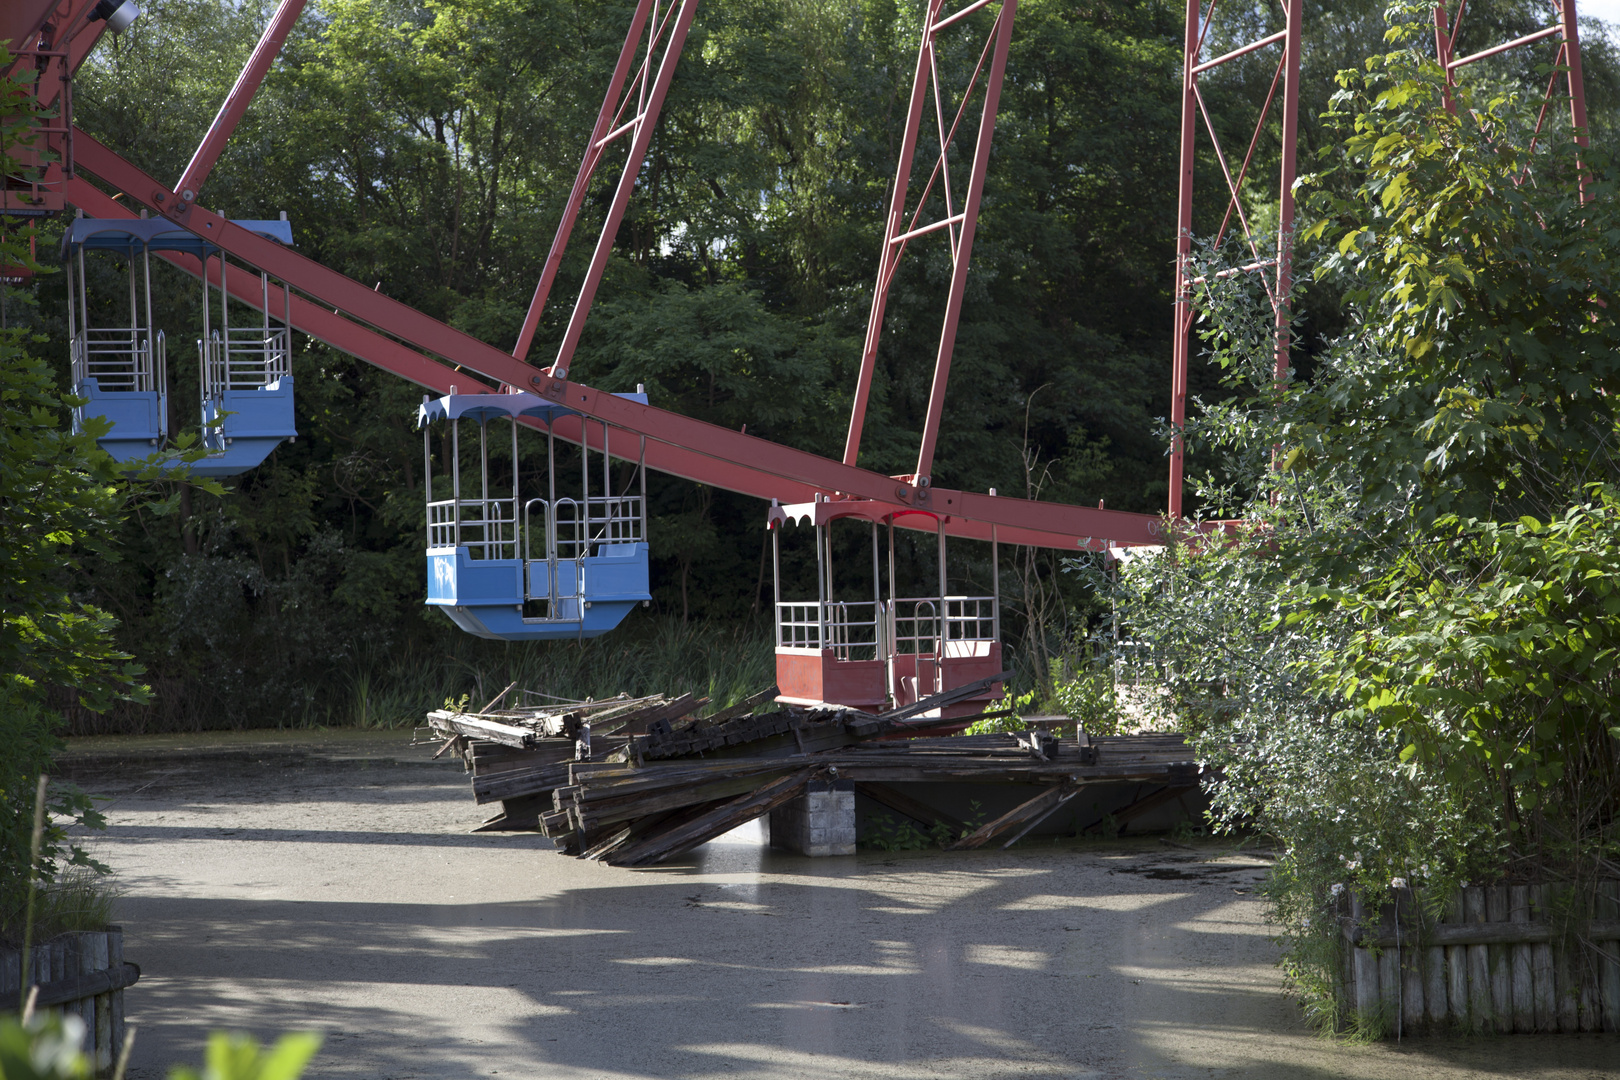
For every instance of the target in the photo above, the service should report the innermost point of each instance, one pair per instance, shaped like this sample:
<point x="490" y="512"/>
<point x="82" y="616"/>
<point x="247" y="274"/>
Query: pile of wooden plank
<point x="638" y="781"/>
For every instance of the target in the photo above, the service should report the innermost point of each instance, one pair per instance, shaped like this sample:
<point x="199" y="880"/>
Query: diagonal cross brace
<point x="237" y="101"/>
<point x="677" y="445"/>
<point x="646" y="121"/>
<point x="958" y="224"/>
<point x="1197" y="27"/>
<point x="587" y="168"/>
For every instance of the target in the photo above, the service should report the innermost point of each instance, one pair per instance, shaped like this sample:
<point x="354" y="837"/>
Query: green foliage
<point x="1512" y="672"/>
<point x="884" y="833"/>
<point x="1087" y="692"/>
<point x="975" y="818"/>
<point x="1403" y="665"/>
<point x="1183" y="831"/>
<point x="1482" y="640"/>
<point x="30" y="737"/>
<point x="1489" y="297"/>
<point x="58" y="498"/>
<point x="997" y="725"/>
<point x="45" y="1047"/>
<point x="79" y="898"/>
<point x="240" y="1057"/>
<point x="63" y="503"/>
<point x="19" y="117"/>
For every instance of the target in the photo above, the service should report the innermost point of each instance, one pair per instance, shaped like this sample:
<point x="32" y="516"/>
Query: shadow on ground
<point x="353" y="902"/>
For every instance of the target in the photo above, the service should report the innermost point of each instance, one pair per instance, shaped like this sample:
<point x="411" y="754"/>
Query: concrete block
<point x="819" y="823"/>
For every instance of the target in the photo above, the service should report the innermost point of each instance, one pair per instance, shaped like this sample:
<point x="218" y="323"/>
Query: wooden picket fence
<point x="1504" y="958"/>
<point x="79" y="974"/>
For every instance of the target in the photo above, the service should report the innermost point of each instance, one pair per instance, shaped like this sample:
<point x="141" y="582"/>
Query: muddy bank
<point x="330" y="884"/>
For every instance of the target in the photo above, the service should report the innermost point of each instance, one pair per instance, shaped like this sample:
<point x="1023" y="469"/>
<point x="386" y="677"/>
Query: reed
<point x="387" y="688"/>
<point x="78" y="900"/>
<point x="724" y="662"/>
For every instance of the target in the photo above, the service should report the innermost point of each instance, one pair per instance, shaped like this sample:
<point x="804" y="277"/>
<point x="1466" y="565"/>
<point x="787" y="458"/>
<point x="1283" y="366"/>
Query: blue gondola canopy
<point x="131" y="236"/>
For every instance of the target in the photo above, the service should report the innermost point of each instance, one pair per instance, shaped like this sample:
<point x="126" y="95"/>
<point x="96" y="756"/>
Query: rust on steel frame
<point x="48" y="40"/>
<point x="1566" y="65"/>
<point x="1194" y="108"/>
<point x="355" y="319"/>
<point x="52" y="37"/>
<point x="959" y="227"/>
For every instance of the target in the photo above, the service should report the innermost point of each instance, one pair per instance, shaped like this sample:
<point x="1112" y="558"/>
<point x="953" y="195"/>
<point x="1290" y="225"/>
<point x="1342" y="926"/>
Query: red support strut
<point x="1566" y="61"/>
<point x="236" y="102"/>
<point x="676" y="444"/>
<point x="1192" y="108"/>
<point x="47" y="39"/>
<point x="958" y="225"/>
<point x="612" y="109"/>
<point x="962" y="249"/>
<point x="676" y="20"/>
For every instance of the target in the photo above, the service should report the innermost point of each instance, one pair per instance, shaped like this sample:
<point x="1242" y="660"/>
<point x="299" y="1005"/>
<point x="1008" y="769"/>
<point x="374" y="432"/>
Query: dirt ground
<point x="329" y="883"/>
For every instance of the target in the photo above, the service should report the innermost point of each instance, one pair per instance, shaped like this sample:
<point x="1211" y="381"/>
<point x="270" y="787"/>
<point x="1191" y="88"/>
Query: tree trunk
<point x="188" y="531"/>
<point x="686" y="565"/>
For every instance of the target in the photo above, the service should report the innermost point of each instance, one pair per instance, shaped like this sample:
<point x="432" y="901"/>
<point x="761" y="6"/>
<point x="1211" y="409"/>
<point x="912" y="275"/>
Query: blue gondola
<point x="245" y="373"/>
<point x="511" y="569"/>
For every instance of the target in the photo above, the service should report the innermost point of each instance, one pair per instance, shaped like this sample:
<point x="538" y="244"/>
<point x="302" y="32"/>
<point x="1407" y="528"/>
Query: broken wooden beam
<point x="741" y="708"/>
<point x="637" y="721"/>
<point x="723" y="818"/>
<point x="516" y="783"/>
<point x="1174" y="789"/>
<point x="598" y="813"/>
<point x="912" y="808"/>
<point x="1021" y="818"/>
<point x="944" y="698"/>
<point x="480" y="728"/>
<point x="635" y="830"/>
<point x="1168" y="793"/>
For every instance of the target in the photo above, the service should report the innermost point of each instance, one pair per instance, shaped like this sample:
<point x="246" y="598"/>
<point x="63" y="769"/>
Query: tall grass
<point x="79" y="899"/>
<point x="649" y="654"/>
<point x="57" y="898"/>
<point x="725" y="662"/>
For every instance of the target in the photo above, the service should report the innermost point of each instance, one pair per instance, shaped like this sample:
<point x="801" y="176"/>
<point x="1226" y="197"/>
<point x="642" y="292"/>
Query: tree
<point x="62" y="500"/>
<point x="1406" y="663"/>
<point x="59" y="498"/>
<point x="427" y="149"/>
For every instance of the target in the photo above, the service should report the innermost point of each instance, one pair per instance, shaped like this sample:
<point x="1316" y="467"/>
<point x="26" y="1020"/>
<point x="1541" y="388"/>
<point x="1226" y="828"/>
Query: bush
<point x="61" y="498"/>
<point x="1404" y="664"/>
<point x="45" y="1046"/>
